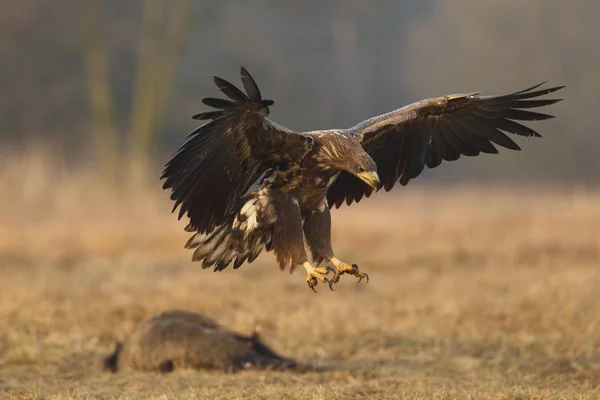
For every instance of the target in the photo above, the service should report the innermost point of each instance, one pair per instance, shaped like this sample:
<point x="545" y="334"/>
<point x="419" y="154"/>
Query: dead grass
<point x="475" y="293"/>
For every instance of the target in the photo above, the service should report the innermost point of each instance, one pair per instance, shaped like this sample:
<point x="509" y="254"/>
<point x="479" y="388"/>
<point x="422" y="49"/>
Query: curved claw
<point x="329" y="268"/>
<point x="330" y="284"/>
<point x="364" y="275"/>
<point x="311" y="286"/>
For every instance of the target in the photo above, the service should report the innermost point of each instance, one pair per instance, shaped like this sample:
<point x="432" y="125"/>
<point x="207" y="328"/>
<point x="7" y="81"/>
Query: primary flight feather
<point x="301" y="175"/>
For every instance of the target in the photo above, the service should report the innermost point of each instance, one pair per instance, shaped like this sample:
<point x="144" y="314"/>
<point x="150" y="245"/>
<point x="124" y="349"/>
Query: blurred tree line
<point x="113" y="84"/>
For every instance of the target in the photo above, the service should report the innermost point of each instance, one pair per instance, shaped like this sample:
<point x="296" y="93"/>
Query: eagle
<point x="247" y="183"/>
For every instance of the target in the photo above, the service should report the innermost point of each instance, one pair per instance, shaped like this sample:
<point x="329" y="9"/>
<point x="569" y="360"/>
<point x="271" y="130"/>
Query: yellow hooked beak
<point x="370" y="178"/>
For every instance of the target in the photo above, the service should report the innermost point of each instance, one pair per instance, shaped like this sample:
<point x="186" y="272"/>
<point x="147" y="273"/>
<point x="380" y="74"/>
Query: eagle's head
<point x="345" y="153"/>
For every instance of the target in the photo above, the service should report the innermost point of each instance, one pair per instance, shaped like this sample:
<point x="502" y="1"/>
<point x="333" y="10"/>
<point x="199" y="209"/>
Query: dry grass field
<point x="475" y="293"/>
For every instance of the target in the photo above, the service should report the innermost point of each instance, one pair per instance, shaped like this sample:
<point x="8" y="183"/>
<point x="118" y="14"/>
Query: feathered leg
<point x="317" y="230"/>
<point x="288" y="241"/>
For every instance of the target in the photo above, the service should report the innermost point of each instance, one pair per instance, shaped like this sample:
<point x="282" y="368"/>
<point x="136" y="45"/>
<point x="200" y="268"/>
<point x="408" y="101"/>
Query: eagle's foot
<point x="316" y="275"/>
<point x="343" y="268"/>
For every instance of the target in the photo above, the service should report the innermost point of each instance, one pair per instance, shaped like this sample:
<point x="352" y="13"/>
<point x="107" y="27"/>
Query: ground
<point x="482" y="293"/>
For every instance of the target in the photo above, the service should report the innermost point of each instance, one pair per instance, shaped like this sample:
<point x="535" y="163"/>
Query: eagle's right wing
<point x="425" y="133"/>
<point x="220" y="160"/>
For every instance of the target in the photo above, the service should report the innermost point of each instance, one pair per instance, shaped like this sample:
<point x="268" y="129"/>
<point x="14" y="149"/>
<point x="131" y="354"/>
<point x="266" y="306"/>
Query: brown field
<point x="482" y="293"/>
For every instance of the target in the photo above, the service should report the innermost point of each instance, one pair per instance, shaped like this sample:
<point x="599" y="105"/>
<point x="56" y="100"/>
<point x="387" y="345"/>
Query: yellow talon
<point x="343" y="268"/>
<point x="315" y="275"/>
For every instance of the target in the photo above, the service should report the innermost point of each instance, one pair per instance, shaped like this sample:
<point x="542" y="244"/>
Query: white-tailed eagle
<point x="302" y="174"/>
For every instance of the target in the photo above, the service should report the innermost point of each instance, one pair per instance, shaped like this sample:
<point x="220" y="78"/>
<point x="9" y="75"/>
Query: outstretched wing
<point x="403" y="141"/>
<point x="219" y="161"/>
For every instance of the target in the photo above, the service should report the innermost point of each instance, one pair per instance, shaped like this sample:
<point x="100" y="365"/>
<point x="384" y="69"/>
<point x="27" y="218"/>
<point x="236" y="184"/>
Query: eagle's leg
<point x="342" y="268"/>
<point x="288" y="240"/>
<point x="317" y="230"/>
<point x="314" y="275"/>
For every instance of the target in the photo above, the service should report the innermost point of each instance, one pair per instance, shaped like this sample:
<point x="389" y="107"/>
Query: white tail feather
<point x="244" y="236"/>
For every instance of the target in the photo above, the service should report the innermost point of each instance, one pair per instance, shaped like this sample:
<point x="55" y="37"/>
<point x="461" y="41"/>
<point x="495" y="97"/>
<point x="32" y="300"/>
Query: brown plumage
<point x="181" y="339"/>
<point x="300" y="175"/>
<point x="425" y="133"/>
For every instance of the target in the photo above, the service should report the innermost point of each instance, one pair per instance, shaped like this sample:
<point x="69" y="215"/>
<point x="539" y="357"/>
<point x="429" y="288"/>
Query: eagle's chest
<point x="311" y="192"/>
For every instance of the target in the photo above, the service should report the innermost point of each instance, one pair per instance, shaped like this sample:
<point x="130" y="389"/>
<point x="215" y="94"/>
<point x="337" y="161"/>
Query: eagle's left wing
<point x="217" y="163"/>
<point x="403" y="141"/>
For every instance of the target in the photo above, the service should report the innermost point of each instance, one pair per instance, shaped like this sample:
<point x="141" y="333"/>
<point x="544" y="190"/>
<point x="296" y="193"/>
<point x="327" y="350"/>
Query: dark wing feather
<point x="219" y="103"/>
<point x="219" y="161"/>
<point x="425" y="133"/>
<point x="230" y="90"/>
<point x="250" y="86"/>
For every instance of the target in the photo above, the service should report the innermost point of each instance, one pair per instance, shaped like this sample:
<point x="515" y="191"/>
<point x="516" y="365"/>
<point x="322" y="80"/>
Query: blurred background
<point x="483" y="270"/>
<point x="108" y="84"/>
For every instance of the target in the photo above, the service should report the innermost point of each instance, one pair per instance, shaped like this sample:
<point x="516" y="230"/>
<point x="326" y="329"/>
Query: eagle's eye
<point x="361" y="169"/>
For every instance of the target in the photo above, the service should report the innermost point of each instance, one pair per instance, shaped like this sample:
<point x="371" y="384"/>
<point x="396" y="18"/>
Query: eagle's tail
<point x="242" y="237"/>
